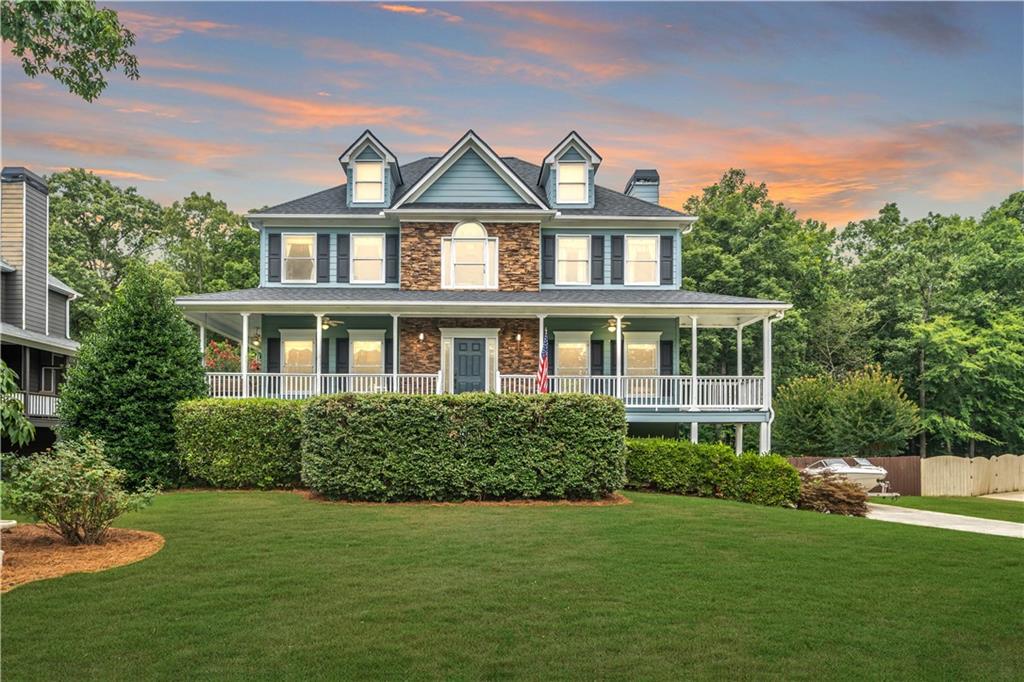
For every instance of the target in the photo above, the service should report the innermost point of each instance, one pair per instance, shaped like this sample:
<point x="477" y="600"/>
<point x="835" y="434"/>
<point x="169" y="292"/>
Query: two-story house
<point x="35" y="306"/>
<point x="454" y="273"/>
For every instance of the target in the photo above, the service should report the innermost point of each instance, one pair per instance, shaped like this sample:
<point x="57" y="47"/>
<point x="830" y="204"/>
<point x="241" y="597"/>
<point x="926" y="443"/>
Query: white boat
<point x="863" y="473"/>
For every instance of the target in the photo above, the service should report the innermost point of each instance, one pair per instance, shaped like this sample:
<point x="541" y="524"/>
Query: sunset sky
<point x="838" y="107"/>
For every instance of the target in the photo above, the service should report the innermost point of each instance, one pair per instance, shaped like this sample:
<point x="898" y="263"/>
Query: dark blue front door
<point x="470" y="364"/>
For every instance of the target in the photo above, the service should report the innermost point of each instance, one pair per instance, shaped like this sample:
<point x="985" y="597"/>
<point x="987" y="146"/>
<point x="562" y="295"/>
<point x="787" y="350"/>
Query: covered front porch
<point x="647" y="360"/>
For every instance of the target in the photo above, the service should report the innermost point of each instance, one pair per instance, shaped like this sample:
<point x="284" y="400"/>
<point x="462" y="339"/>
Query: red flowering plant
<point x="224" y="356"/>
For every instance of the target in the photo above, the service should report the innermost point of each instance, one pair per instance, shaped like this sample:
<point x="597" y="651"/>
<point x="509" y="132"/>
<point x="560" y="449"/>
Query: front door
<point x="470" y="365"/>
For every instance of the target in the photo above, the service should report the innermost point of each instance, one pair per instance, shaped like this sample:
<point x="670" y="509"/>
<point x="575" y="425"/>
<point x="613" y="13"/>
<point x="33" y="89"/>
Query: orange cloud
<point x="200" y="153"/>
<point x="115" y="174"/>
<point x="159" y="28"/>
<point x="531" y="12"/>
<point x="420" y="11"/>
<point x="352" y="53"/>
<point x="578" y="56"/>
<point x="163" y="63"/>
<point x="497" y="66"/>
<point x="288" y="112"/>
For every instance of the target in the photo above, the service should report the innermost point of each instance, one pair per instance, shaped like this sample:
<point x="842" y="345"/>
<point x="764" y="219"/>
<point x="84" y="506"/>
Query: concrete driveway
<point x="1008" y="497"/>
<point x="919" y="517"/>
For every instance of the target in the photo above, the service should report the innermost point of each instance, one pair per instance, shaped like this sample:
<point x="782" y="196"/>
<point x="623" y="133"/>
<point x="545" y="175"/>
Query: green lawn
<point x="270" y="585"/>
<point x="1003" y="510"/>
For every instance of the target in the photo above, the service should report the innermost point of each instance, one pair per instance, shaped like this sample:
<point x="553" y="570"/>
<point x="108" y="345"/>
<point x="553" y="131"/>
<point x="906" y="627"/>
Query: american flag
<point x="542" y="369"/>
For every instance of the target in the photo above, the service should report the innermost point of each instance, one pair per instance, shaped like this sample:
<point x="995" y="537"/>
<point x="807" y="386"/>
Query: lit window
<point x="572" y="182"/>
<point x="299" y="258"/>
<point x="573" y="260"/>
<point x="367" y="259"/>
<point x="297" y="352"/>
<point x="469" y="259"/>
<point x="642" y="260"/>
<point x="366" y="350"/>
<point x="369" y="181"/>
<point x="641" y="354"/>
<point x="572" y="353"/>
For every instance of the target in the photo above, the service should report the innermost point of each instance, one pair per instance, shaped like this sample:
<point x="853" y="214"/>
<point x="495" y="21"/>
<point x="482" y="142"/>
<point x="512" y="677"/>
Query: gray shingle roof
<point x="301" y="294"/>
<point x="607" y="202"/>
<point x="58" y="285"/>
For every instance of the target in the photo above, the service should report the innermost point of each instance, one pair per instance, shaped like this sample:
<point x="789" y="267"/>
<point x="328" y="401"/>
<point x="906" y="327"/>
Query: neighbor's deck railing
<point x="38" y="404"/>
<point x="675" y="391"/>
<point x="280" y="385"/>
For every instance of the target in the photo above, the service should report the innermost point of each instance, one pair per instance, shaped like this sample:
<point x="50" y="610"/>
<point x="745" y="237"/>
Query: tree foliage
<point x="14" y="425"/>
<point x="72" y="40"/>
<point x="139" y="362"/>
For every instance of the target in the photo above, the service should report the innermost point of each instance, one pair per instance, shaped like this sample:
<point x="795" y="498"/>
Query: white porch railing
<point x="280" y="385"/>
<point x="38" y="404"/>
<point x="675" y="391"/>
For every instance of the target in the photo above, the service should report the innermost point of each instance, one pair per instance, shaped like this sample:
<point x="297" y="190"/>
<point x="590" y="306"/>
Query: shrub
<point x="247" y="443"/>
<point x="14" y="425"/>
<point x="678" y="466"/>
<point x="73" y="490"/>
<point x="139" y="362"/>
<point x="831" y="494"/>
<point x="224" y="356"/>
<point x="864" y="414"/>
<point x="386" y="447"/>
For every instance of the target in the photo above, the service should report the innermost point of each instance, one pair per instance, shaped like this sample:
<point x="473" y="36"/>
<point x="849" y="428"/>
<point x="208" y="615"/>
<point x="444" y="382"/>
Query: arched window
<point x="469" y="258"/>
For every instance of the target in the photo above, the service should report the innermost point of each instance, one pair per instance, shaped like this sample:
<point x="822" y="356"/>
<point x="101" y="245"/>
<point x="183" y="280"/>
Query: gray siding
<point x="11" y="237"/>
<point x="470" y="180"/>
<point x="37" y="288"/>
<point x="647" y="192"/>
<point x="58" y="314"/>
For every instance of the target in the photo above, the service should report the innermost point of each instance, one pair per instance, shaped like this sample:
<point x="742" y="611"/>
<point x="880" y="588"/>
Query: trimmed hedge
<point x="678" y="466"/>
<point x="384" y="447"/>
<point x="245" y="443"/>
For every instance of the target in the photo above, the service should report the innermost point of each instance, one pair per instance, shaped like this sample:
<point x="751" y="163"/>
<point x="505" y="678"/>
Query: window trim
<point x="491" y="270"/>
<point x="356" y="182"/>
<point x="583" y="337"/>
<point x="626" y="261"/>
<point x="297" y="335"/>
<point x="366" y="335"/>
<point x="285" y="236"/>
<point x="558" y="182"/>
<point x="590" y="242"/>
<point x="642" y="337"/>
<point x="352" y="257"/>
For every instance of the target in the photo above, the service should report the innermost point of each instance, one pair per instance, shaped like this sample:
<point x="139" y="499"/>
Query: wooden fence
<point x="940" y="476"/>
<point x="904" y="472"/>
<point x="972" y="476"/>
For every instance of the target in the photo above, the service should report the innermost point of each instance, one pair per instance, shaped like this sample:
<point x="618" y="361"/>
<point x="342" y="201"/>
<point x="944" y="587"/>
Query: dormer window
<point x="368" y="177"/>
<point x="469" y="258"/>
<point x="572" y="182"/>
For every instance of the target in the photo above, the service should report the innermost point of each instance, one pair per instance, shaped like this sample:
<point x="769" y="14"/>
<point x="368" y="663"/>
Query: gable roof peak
<point x="572" y="139"/>
<point x="368" y="138"/>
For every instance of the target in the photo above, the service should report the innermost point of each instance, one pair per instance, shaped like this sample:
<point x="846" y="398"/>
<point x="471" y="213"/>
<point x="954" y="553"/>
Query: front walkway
<point x="918" y="517"/>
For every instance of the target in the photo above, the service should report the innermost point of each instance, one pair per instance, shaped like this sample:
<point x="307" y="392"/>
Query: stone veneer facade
<point x="518" y="255"/>
<point x="424" y="357"/>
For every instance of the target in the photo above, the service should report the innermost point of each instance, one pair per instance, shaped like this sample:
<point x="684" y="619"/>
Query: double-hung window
<point x="368" y="177"/>
<point x="642" y="259"/>
<point x="299" y="258"/>
<point x="366" y="349"/>
<point x="573" y="253"/>
<point x="367" y="259"/>
<point x="469" y="258"/>
<point x="572" y="353"/>
<point x="297" y="350"/>
<point x="572" y="182"/>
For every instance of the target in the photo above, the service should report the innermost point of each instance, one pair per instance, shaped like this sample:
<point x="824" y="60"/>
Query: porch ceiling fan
<point x="327" y="323"/>
<point x="611" y="324"/>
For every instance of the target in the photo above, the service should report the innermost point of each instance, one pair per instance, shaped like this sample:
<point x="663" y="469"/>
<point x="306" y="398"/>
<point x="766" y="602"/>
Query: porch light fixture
<point x="421" y="336"/>
<point x="519" y="336"/>
<point x="611" y="327"/>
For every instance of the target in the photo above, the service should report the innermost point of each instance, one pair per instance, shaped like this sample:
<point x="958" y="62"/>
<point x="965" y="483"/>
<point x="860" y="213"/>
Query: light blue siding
<point x="469" y="180"/>
<point x="368" y="154"/>
<point x="648" y="193"/>
<point x="571" y="154"/>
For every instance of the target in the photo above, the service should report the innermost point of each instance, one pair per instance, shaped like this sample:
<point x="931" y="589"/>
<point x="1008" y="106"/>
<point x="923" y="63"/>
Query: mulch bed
<point x="33" y="552"/>
<point x="613" y="499"/>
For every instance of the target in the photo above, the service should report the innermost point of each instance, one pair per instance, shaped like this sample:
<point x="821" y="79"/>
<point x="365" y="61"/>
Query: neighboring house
<point x="447" y="274"/>
<point x="35" y="306"/>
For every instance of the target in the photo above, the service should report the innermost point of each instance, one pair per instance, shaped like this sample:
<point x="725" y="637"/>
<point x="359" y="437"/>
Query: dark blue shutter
<point x="274" y="257"/>
<point x="667" y="365"/>
<point x="666" y="259"/>
<point x="596" y="358"/>
<point x="325" y="357"/>
<point x="615" y="358"/>
<point x="552" y="367"/>
<point x="343" y="246"/>
<point x="323" y="258"/>
<point x="618" y="259"/>
<point x="272" y="354"/>
<point x="597" y="259"/>
<point x="547" y="259"/>
<point x="389" y="363"/>
<point x="341" y="356"/>
<point x="391" y="258"/>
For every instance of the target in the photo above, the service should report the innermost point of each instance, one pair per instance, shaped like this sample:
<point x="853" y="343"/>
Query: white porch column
<point x="739" y="439"/>
<point x="317" y="351"/>
<point x="765" y="444"/>
<point x="540" y="336"/>
<point x="739" y="373"/>
<point x="202" y="345"/>
<point x="693" y="432"/>
<point x="693" y="367"/>
<point x="244" y="355"/>
<point x="620" y="353"/>
<point x="394" y="352"/>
